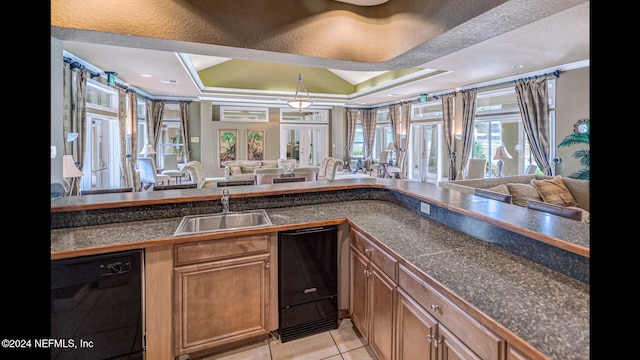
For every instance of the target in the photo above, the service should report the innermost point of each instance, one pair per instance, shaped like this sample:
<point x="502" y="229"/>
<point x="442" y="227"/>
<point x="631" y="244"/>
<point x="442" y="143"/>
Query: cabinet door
<point x="415" y="330"/>
<point x="451" y="348"/>
<point x="221" y="302"/>
<point x="382" y="295"/>
<point x="358" y="302"/>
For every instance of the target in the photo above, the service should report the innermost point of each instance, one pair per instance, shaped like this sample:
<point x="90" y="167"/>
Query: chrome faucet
<point x="225" y="200"/>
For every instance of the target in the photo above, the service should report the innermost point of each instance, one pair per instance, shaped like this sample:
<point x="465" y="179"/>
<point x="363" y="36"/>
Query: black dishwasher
<point x="96" y="306"/>
<point x="307" y="281"/>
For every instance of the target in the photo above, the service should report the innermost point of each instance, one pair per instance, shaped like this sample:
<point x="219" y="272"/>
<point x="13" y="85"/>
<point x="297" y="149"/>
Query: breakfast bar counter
<point x="527" y="301"/>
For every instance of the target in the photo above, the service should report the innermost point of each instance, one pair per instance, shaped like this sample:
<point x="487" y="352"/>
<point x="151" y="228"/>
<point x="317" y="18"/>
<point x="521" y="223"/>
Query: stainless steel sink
<point x="197" y="224"/>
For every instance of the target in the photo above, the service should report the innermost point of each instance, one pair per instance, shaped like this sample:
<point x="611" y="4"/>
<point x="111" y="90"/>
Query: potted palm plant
<point x="580" y="135"/>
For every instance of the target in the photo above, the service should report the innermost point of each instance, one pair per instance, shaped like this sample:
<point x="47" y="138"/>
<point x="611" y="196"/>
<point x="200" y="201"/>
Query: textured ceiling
<point x="338" y="47"/>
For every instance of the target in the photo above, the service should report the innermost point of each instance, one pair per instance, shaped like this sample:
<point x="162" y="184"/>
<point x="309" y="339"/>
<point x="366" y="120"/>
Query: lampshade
<point x="69" y="168"/>
<point x="501" y="153"/>
<point x="148" y="150"/>
<point x="391" y="147"/>
<point x="71" y="137"/>
<point x="300" y="101"/>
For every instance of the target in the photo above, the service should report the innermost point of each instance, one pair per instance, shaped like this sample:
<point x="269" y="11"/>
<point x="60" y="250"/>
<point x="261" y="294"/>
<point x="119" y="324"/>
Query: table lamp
<point x="148" y="150"/>
<point x="392" y="149"/>
<point x="501" y="153"/>
<point x="70" y="170"/>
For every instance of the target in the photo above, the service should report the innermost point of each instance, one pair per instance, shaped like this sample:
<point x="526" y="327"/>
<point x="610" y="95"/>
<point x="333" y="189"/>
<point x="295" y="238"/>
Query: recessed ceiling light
<point x="145" y="75"/>
<point x="518" y="66"/>
<point x="169" y="81"/>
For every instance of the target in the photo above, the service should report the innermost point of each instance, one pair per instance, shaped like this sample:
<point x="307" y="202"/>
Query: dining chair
<point x="148" y="173"/>
<point x="106" y="191"/>
<point x="170" y="167"/>
<point x="397" y="170"/>
<point x="288" y="180"/>
<point x="476" y="168"/>
<point x="379" y="167"/>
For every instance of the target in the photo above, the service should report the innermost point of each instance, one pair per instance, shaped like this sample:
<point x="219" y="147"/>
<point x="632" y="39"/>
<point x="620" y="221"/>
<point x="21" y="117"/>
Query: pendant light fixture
<point x="300" y="101"/>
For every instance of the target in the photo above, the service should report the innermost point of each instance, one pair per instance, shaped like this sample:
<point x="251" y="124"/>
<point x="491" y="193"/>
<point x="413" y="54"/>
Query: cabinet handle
<point x="367" y="272"/>
<point x="431" y="338"/>
<point x="435" y="307"/>
<point x="267" y="265"/>
<point x="368" y="251"/>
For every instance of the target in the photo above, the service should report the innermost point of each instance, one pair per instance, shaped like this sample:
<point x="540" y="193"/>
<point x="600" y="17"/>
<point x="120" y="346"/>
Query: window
<point x="498" y="122"/>
<point x="383" y="135"/>
<point x="170" y="134"/>
<point x="251" y="114"/>
<point x="358" y="143"/>
<point x="313" y="116"/>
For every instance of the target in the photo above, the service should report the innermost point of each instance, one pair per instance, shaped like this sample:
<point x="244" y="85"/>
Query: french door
<point x="307" y="144"/>
<point x="424" y="160"/>
<point x="101" y="165"/>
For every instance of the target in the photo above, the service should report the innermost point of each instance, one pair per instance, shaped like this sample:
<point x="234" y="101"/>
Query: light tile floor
<point x="342" y="343"/>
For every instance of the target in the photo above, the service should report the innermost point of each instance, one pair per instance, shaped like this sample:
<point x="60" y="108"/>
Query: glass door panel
<point x="308" y="145"/>
<point x="425" y="155"/>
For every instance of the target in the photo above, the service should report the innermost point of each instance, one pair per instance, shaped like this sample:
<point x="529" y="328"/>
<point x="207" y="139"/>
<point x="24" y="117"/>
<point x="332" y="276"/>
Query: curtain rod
<point x="535" y="77"/>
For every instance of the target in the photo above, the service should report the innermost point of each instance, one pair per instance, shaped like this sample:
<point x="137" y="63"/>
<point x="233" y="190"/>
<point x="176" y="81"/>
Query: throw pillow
<point x="520" y="193"/>
<point x="248" y="168"/>
<point x="554" y="191"/>
<point x="502" y="188"/>
<point x="234" y="169"/>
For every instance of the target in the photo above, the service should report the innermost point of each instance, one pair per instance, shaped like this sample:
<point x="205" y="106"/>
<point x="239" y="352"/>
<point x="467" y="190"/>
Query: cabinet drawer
<point x="219" y="249"/>
<point x="382" y="259"/>
<point x="481" y="340"/>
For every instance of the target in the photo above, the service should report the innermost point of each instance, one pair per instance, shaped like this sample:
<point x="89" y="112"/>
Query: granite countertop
<point x="545" y="308"/>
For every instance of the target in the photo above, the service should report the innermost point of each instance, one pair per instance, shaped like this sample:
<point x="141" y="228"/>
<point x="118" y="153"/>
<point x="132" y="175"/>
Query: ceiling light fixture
<point x="300" y="102"/>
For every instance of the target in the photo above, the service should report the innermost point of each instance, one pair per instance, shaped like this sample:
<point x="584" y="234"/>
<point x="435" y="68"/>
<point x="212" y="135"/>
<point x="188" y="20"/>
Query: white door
<point x="307" y="144"/>
<point x="101" y="166"/>
<point x="425" y="155"/>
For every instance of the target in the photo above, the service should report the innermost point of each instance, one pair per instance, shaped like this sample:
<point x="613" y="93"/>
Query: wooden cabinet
<point x="456" y="335"/>
<point x="373" y="293"/>
<point x="222" y="290"/>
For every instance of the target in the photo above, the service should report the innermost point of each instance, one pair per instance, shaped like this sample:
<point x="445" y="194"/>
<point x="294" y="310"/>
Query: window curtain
<point x="352" y="118"/>
<point x="125" y="140"/>
<point x="67" y="81"/>
<point x="132" y="132"/>
<point x="77" y="122"/>
<point x="449" y="136"/>
<point x="468" y="118"/>
<point x="534" y="109"/>
<point x="369" y="130"/>
<point x="396" y="123"/>
<point x="184" y="128"/>
<point x="157" y="115"/>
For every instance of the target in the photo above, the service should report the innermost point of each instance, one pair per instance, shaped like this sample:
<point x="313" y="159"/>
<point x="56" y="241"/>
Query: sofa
<point x="243" y="170"/>
<point x="522" y="188"/>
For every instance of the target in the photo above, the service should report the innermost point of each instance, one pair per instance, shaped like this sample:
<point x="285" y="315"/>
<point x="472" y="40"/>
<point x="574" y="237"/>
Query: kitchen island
<point x="522" y="301"/>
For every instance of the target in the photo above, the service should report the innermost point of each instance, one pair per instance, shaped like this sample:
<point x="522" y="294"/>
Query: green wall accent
<point x="256" y="75"/>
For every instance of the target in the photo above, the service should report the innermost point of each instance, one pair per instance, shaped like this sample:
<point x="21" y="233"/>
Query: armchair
<point x="329" y="168"/>
<point x="196" y="173"/>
